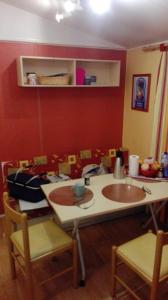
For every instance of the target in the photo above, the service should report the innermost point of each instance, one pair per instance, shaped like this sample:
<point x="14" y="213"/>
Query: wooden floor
<point x="96" y="241"/>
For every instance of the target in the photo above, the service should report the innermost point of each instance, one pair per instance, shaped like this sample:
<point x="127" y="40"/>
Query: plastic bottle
<point x="160" y="173"/>
<point x="164" y="164"/>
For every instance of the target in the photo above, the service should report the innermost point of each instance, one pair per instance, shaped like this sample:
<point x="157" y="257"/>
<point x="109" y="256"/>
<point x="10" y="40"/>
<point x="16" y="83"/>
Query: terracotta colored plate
<point x="65" y="196"/>
<point x="123" y="193"/>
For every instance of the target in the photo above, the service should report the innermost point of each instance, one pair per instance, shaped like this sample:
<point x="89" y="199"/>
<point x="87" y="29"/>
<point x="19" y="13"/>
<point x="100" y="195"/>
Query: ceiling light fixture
<point x="69" y="6"/>
<point x="100" y="6"/>
<point x="65" y="8"/>
<point x="59" y="17"/>
<point x="45" y="3"/>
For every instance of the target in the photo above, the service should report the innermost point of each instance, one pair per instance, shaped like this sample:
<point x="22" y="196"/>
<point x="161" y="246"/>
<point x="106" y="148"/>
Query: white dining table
<point x="157" y="191"/>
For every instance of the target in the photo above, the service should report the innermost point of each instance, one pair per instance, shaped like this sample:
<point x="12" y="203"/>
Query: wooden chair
<point x="147" y="256"/>
<point x="30" y="244"/>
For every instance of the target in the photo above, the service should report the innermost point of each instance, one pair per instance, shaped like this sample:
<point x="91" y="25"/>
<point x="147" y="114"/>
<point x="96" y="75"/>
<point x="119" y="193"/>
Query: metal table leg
<point x="153" y="217"/>
<point x="75" y="233"/>
<point x="154" y="213"/>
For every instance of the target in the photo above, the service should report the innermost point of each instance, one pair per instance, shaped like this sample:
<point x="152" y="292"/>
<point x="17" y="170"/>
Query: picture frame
<point x="140" y="92"/>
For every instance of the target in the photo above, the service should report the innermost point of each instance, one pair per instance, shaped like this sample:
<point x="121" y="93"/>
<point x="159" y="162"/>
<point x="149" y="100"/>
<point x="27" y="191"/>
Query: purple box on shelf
<point x="80" y="76"/>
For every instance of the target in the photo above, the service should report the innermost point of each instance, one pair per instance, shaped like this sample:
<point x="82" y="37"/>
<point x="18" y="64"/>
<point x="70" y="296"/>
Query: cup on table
<point x="79" y="189"/>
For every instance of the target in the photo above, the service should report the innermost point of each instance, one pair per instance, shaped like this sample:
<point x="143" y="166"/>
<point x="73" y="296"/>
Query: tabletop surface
<point x="99" y="204"/>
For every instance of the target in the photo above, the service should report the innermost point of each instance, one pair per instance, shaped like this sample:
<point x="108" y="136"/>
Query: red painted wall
<point x="36" y="121"/>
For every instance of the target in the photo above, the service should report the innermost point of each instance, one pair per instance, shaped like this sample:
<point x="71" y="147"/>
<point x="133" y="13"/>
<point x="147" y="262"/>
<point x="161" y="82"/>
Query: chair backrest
<point x="161" y="240"/>
<point x="15" y="221"/>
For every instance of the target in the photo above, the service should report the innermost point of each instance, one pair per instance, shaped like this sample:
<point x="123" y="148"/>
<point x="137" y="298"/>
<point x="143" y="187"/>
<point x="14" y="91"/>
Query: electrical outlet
<point x="40" y="160"/>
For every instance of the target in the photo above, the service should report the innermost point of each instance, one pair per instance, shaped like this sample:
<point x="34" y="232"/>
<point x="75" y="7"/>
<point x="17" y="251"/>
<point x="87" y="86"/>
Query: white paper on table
<point x="25" y="205"/>
<point x="54" y="178"/>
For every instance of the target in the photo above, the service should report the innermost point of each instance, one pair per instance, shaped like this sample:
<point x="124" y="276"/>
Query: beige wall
<point x="137" y="126"/>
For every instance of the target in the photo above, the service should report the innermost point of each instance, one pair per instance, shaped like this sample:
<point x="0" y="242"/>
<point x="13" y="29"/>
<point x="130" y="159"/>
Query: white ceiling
<point x="130" y="23"/>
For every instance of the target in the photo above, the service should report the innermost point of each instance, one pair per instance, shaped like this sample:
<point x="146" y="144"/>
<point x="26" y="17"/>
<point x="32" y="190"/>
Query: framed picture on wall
<point x="140" y="91"/>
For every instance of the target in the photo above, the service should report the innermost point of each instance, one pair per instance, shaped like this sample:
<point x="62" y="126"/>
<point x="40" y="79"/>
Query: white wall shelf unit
<point x="50" y="72"/>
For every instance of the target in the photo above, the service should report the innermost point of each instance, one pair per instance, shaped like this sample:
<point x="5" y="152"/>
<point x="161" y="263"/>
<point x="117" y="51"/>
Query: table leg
<point x="75" y="233"/>
<point x="153" y="217"/>
<point x="153" y="214"/>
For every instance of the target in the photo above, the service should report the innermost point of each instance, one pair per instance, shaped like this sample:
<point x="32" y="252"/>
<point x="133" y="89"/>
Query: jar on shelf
<point x="32" y="78"/>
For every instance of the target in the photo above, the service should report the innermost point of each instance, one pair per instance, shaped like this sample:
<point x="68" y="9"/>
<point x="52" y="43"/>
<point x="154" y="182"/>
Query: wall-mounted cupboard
<point x="64" y="72"/>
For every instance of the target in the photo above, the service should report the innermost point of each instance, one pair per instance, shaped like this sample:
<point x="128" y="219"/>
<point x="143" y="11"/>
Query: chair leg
<point x="11" y="259"/>
<point x="114" y="271"/>
<point x="75" y="264"/>
<point x="29" y="283"/>
<point x="153" y="293"/>
<point x="30" y="289"/>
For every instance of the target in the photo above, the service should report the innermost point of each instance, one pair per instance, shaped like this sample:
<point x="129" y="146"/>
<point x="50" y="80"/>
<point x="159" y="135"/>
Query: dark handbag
<point x="26" y="186"/>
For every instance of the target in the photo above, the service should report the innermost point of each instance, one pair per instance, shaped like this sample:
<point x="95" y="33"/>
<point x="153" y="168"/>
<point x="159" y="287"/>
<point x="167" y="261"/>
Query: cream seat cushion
<point x="140" y="253"/>
<point x="43" y="238"/>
